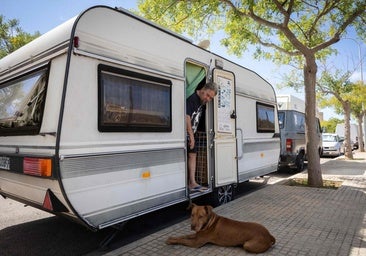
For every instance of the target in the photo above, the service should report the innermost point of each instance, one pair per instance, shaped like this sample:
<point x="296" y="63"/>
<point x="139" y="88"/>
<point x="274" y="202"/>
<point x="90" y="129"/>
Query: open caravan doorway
<point x="195" y="80"/>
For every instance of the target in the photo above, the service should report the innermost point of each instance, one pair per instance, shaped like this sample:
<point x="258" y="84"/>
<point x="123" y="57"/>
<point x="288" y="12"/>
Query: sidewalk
<point x="305" y="221"/>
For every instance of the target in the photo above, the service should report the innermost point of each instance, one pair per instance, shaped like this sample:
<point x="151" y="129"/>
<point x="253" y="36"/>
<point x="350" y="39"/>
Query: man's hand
<point x="191" y="141"/>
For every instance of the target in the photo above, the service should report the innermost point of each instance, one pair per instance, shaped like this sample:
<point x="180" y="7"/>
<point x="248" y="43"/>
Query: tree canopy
<point x="12" y="36"/>
<point x="330" y="125"/>
<point x="282" y="31"/>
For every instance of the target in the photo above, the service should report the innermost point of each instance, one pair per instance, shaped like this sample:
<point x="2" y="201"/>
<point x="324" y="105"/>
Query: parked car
<point x="332" y="144"/>
<point x="355" y="145"/>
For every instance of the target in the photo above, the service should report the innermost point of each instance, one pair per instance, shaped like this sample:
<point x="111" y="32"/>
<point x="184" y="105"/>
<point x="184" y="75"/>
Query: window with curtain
<point x="134" y="102"/>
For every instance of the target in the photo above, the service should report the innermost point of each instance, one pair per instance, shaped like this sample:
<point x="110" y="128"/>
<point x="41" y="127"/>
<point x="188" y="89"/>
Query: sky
<point x="43" y="15"/>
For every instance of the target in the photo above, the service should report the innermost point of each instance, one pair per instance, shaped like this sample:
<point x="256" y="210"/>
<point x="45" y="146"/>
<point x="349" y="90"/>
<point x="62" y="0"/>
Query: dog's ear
<point x="208" y="209"/>
<point x="191" y="205"/>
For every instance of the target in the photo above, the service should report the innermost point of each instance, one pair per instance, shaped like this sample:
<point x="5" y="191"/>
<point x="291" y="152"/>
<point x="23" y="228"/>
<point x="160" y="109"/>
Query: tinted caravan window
<point x="265" y="118"/>
<point x="133" y="102"/>
<point x="22" y="103"/>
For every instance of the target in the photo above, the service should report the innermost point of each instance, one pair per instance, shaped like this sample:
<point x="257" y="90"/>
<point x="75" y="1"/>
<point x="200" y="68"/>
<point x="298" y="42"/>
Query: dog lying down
<point x="215" y="229"/>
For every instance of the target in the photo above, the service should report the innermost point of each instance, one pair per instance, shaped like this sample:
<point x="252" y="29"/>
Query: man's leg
<point x="192" y="157"/>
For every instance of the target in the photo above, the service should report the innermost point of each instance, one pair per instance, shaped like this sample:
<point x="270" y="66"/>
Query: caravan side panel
<point x="110" y="188"/>
<point x="15" y="181"/>
<point x="111" y="172"/>
<point x="258" y="153"/>
<point x="258" y="147"/>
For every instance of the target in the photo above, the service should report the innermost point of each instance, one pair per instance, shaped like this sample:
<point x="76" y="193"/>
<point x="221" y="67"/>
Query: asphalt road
<point x="29" y="231"/>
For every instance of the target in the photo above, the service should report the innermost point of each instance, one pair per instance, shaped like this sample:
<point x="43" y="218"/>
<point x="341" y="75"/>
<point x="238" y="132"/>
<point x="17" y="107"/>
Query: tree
<point x="341" y="91"/>
<point x="288" y="32"/>
<point x="358" y="109"/>
<point x="12" y="36"/>
<point x="330" y="125"/>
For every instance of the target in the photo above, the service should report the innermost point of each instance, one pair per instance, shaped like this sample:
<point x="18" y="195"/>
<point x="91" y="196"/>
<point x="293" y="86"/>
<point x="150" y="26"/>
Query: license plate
<point x="4" y="162"/>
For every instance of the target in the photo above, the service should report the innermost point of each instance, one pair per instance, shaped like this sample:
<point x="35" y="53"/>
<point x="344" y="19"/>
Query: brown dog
<point x="215" y="229"/>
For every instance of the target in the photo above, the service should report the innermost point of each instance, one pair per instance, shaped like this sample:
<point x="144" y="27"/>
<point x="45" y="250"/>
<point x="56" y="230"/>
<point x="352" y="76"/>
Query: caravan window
<point x="265" y="118"/>
<point x="134" y="102"/>
<point x="21" y="104"/>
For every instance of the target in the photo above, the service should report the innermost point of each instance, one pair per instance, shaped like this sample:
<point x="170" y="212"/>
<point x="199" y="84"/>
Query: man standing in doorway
<point x="194" y="108"/>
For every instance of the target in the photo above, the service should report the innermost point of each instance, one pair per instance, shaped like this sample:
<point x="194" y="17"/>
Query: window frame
<point x="34" y="129"/>
<point x="149" y="79"/>
<point x="263" y="129"/>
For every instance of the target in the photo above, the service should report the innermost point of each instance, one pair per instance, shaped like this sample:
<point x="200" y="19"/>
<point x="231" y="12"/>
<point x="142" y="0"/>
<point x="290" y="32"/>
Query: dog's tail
<point x="273" y="240"/>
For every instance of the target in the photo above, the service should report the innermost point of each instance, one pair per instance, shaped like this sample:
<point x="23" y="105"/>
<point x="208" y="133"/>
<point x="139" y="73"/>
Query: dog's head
<point x="200" y="217"/>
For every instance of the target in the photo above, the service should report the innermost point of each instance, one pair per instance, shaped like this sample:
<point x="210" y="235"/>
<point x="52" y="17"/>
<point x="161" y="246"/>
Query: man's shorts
<point x="194" y="149"/>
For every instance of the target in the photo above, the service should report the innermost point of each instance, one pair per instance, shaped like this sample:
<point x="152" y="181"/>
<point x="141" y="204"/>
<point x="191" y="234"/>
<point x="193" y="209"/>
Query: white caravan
<point x="92" y="120"/>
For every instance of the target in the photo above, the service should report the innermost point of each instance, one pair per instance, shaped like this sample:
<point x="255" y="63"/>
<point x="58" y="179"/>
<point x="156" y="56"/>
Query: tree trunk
<point x="315" y="178"/>
<point x="347" y="130"/>
<point x="361" y="146"/>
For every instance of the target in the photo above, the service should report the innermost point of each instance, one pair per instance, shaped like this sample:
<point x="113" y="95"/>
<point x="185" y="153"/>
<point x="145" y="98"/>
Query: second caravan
<point x="93" y="126"/>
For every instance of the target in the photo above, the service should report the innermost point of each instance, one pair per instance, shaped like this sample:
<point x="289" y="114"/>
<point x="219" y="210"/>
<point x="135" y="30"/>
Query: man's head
<point x="207" y="92"/>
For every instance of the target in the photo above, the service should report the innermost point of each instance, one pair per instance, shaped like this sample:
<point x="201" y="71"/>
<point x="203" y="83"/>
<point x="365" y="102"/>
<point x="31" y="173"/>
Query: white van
<point x="92" y="120"/>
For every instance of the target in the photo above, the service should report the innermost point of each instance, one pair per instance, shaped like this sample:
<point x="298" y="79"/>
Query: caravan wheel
<point x="223" y="195"/>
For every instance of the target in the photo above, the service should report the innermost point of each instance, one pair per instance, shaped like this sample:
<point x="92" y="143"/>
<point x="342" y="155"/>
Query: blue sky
<point x="43" y="15"/>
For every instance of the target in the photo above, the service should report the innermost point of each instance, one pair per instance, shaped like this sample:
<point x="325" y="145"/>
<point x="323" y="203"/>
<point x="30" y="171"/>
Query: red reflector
<point x="37" y="166"/>
<point x="47" y="201"/>
<point x="76" y="41"/>
<point x="289" y="145"/>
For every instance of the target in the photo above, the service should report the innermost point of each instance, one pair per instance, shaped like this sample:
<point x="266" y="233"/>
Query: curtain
<point x="194" y="75"/>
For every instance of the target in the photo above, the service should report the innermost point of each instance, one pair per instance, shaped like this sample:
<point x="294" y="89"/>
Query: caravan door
<point x="225" y="129"/>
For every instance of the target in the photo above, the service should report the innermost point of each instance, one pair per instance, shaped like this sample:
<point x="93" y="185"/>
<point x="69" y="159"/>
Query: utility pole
<point x="361" y="70"/>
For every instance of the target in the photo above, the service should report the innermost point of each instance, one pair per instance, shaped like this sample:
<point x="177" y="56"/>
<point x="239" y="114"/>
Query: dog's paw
<point x="171" y="240"/>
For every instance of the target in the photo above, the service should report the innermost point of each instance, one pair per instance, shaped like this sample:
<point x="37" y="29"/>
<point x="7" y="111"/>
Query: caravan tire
<point x="223" y="195"/>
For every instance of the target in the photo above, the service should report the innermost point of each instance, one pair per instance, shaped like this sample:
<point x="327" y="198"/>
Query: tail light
<point x="288" y="145"/>
<point x="41" y="167"/>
